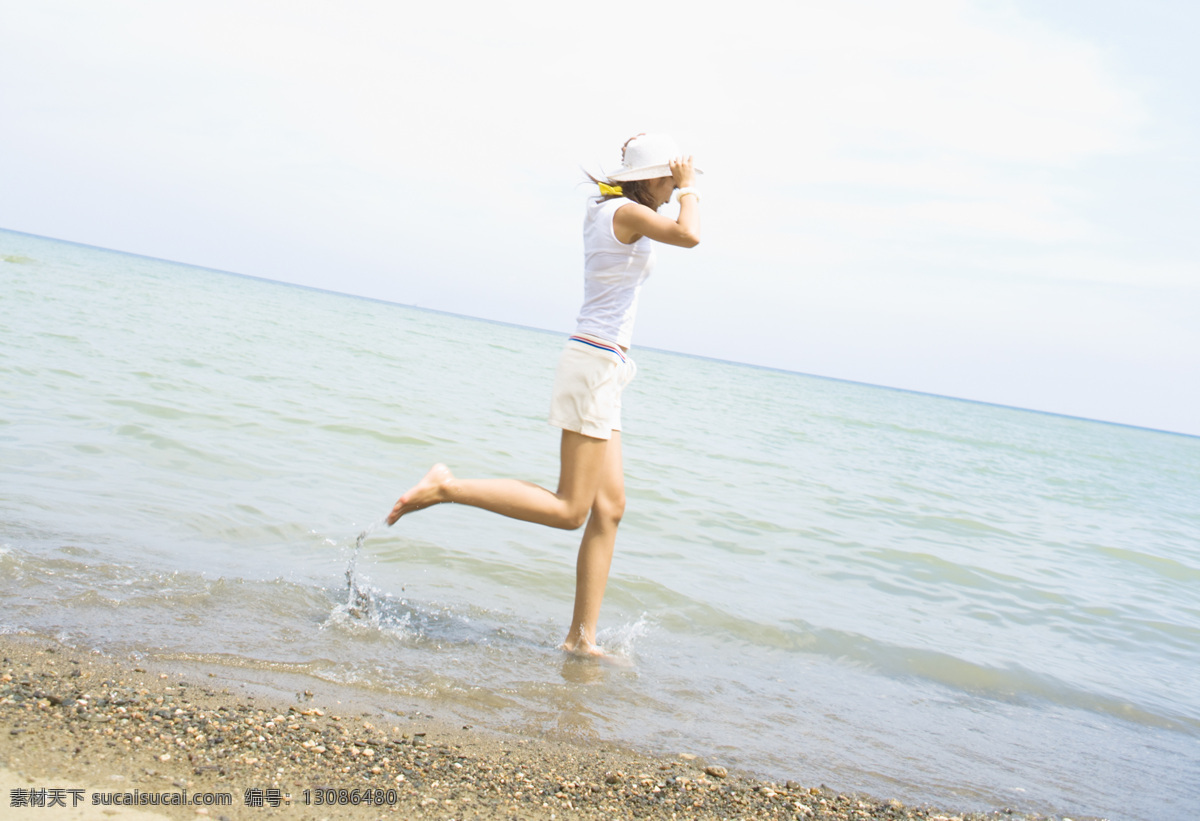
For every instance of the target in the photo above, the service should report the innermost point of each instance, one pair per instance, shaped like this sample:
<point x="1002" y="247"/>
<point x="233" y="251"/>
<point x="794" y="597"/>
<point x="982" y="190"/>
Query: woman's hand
<point x="682" y="172"/>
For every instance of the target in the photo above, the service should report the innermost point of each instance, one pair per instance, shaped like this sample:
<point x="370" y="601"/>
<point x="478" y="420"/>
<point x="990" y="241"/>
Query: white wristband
<point x="680" y="193"/>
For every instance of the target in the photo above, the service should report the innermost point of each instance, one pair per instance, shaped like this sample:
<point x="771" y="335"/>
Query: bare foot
<point x="433" y="489"/>
<point x="580" y="645"/>
<point x="584" y="649"/>
<point x="589" y="650"/>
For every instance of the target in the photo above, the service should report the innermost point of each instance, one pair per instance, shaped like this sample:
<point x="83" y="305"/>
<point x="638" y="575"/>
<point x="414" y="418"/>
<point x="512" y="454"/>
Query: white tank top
<point x="613" y="273"/>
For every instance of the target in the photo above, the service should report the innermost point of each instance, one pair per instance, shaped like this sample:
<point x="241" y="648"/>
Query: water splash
<point x="359" y="600"/>
<point x="619" y="642"/>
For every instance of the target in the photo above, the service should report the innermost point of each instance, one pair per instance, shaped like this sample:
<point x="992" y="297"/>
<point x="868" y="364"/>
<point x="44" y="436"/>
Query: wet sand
<point x="80" y="729"/>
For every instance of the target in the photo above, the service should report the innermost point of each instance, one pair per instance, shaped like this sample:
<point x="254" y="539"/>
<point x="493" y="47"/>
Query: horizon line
<point x="644" y="347"/>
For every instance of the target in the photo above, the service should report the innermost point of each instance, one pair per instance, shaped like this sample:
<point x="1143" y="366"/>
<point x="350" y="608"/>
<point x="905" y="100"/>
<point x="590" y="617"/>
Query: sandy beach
<point x="82" y="736"/>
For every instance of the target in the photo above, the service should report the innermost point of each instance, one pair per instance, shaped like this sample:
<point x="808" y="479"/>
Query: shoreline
<point x="91" y="730"/>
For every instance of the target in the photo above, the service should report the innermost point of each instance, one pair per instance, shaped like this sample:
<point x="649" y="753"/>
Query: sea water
<point x="881" y="591"/>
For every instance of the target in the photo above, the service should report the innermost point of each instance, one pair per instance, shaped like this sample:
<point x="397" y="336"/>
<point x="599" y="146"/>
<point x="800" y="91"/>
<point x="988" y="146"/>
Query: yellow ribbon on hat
<point x="607" y="190"/>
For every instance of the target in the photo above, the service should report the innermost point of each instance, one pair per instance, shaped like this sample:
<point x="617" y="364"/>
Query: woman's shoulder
<point x="603" y="208"/>
<point x="608" y="202"/>
<point x="607" y="206"/>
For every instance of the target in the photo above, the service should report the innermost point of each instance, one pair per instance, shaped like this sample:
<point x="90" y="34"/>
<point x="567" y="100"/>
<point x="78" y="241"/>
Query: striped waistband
<point x="604" y="346"/>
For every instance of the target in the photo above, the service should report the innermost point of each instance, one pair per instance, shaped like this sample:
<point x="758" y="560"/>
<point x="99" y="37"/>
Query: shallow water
<point x="882" y="591"/>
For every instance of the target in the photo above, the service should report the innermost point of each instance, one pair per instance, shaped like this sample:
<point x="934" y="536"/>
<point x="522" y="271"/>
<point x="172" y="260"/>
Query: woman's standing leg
<point x="596" y="551"/>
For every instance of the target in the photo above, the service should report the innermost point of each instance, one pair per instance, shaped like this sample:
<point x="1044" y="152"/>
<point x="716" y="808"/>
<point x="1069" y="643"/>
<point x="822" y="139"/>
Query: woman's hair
<point x="630" y="189"/>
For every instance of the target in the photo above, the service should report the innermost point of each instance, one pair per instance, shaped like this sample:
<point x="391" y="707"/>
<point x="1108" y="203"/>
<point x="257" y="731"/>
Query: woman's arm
<point x="633" y="221"/>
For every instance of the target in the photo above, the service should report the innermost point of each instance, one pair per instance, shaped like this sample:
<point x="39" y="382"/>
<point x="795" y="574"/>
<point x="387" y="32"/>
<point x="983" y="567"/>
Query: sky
<point x="994" y="201"/>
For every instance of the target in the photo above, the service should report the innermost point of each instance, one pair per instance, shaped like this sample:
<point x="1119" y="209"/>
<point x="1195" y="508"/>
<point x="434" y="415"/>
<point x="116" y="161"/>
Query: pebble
<point x="212" y="742"/>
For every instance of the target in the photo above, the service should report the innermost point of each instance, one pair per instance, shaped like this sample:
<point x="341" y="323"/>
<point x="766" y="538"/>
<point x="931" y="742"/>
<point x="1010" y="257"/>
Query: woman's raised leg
<point x="596" y="552"/>
<point x="582" y="460"/>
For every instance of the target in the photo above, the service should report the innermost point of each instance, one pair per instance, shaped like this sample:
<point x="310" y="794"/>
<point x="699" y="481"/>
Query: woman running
<point x="619" y="231"/>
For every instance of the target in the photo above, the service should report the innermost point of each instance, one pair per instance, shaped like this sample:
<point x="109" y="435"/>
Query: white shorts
<point x="587" y="387"/>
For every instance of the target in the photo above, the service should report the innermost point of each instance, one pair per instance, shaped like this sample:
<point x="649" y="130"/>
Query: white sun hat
<point x="647" y="157"/>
